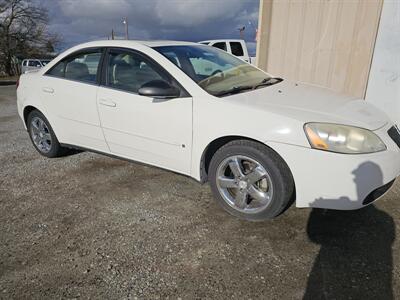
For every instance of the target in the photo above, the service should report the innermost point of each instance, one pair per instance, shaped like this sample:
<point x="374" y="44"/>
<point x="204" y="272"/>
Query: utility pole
<point x="125" y="21"/>
<point x="241" y="32"/>
<point x="112" y="33"/>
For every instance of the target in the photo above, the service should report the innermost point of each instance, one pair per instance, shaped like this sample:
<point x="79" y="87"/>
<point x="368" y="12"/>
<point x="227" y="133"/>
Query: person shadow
<point x="355" y="257"/>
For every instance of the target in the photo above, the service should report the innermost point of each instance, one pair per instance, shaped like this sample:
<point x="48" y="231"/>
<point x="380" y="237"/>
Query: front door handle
<point x="48" y="90"/>
<point x="107" y="102"/>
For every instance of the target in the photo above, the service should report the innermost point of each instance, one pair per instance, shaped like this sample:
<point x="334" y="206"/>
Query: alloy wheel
<point x="40" y="134"/>
<point x="244" y="184"/>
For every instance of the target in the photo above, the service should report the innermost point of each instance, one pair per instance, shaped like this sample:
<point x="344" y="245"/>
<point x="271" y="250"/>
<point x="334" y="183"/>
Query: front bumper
<point x="341" y="181"/>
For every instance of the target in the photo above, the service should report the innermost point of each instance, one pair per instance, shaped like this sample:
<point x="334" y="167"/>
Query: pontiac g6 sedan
<point x="260" y="141"/>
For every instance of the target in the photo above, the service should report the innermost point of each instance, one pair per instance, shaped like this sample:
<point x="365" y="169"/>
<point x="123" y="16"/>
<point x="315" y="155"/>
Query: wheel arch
<point x="217" y="143"/>
<point x="26" y="111"/>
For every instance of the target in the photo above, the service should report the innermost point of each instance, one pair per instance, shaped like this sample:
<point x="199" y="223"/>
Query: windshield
<point x="216" y="71"/>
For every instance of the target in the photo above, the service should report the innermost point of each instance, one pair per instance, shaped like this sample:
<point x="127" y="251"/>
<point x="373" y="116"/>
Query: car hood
<point x="310" y="103"/>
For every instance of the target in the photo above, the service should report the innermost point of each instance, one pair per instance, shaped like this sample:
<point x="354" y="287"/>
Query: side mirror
<point x="159" y="89"/>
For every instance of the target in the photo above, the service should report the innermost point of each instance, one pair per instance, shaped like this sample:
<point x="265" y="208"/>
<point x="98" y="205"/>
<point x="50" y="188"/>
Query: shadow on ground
<point x="355" y="259"/>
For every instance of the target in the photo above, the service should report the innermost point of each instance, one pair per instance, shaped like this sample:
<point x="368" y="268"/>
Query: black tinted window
<point x="129" y="71"/>
<point x="83" y="67"/>
<point x="220" y="45"/>
<point x="236" y="48"/>
<point x="34" y="63"/>
<point x="57" y="70"/>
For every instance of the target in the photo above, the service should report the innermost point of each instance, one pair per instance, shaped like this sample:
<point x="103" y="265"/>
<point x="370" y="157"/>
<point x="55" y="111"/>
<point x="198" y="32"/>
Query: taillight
<point x="17" y="83"/>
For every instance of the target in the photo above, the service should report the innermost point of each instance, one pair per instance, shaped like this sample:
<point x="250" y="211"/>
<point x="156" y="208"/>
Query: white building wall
<point x="384" y="79"/>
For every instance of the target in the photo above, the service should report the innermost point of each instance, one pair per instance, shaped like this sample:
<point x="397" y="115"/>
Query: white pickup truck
<point x="235" y="47"/>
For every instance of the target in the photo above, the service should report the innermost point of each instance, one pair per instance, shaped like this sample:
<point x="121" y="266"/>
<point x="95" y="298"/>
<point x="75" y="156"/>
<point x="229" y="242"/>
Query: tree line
<point x="23" y="34"/>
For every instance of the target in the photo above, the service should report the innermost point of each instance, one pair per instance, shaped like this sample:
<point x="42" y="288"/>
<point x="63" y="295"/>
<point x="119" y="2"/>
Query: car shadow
<point x="355" y="257"/>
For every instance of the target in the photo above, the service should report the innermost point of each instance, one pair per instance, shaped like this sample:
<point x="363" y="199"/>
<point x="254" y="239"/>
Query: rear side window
<point x="236" y="48"/>
<point x="80" y="67"/>
<point x="220" y="45"/>
<point x="83" y="67"/>
<point x="128" y="71"/>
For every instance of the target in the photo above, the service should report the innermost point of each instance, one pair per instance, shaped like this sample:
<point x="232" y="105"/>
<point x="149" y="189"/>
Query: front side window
<point x="128" y="71"/>
<point x="236" y="49"/>
<point x="81" y="67"/>
<point x="214" y="70"/>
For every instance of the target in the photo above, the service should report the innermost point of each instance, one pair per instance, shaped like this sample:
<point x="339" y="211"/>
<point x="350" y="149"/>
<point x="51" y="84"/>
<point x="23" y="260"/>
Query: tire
<point x="262" y="190"/>
<point x="39" y="128"/>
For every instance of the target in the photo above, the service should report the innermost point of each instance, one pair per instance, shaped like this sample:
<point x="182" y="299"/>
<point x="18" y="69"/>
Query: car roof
<point x="222" y="40"/>
<point x="130" y="43"/>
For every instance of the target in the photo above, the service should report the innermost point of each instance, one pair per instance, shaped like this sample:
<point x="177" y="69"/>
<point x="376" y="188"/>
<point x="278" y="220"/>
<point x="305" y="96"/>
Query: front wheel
<point x="250" y="181"/>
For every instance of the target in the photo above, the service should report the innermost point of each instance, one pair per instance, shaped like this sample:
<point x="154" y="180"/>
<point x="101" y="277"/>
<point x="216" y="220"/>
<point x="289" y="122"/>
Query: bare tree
<point x="23" y="31"/>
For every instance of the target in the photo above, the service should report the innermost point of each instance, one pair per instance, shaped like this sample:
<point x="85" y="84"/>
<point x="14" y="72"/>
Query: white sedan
<point x="262" y="142"/>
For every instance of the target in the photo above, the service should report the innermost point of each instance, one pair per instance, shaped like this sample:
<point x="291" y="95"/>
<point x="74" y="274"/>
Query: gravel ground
<point x="89" y="226"/>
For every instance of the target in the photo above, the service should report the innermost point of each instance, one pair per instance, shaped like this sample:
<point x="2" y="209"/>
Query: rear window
<point x="34" y="63"/>
<point x="45" y="61"/>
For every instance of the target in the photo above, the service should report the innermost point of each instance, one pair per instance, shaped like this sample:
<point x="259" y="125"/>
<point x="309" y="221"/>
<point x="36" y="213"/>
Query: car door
<point x="69" y="90"/>
<point x="153" y="131"/>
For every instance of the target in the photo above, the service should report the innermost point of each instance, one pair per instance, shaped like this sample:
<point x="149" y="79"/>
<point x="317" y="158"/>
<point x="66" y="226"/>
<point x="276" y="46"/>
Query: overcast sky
<point x="193" y="20"/>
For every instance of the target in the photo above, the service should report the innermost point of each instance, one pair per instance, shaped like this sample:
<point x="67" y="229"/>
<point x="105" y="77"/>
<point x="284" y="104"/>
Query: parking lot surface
<point x="90" y="226"/>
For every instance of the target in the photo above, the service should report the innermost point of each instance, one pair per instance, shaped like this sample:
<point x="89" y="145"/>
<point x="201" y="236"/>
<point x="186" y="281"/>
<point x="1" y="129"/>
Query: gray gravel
<point x="89" y="226"/>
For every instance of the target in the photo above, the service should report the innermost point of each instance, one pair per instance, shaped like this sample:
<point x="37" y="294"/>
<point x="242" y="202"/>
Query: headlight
<point x="342" y="138"/>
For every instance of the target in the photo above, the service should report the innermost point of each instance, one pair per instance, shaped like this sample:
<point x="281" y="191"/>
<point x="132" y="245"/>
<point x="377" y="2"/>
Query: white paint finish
<point x="311" y="103"/>
<point x="73" y="110"/>
<point x="138" y="128"/>
<point x="384" y="79"/>
<point x="339" y="181"/>
<point x="148" y="130"/>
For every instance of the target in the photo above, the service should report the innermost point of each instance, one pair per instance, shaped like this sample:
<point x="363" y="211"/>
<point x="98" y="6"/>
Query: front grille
<point x="393" y="132"/>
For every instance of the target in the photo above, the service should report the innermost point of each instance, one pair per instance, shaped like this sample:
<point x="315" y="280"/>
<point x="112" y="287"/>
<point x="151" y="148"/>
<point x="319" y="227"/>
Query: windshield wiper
<point x="238" y="89"/>
<point x="235" y="90"/>
<point x="268" y="81"/>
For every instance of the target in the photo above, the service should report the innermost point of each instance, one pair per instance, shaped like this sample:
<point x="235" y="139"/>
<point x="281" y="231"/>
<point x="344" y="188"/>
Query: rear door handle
<point x="48" y="90"/>
<point x="107" y="102"/>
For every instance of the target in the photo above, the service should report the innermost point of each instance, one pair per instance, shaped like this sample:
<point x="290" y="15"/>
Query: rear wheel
<point x="42" y="135"/>
<point x="250" y="180"/>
